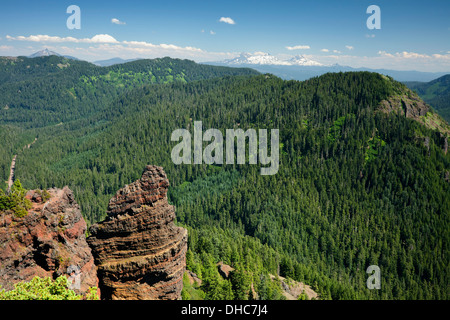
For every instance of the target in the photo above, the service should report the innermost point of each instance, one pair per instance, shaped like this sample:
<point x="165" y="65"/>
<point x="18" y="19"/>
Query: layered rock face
<point x="138" y="250"/>
<point x="49" y="241"/>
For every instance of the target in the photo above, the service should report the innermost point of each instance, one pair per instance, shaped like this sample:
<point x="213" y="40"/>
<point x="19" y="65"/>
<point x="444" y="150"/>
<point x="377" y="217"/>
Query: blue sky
<point x="414" y="35"/>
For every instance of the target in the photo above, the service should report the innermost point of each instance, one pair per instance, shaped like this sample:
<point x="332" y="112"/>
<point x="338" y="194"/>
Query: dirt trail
<point x="11" y="172"/>
<point x="13" y="166"/>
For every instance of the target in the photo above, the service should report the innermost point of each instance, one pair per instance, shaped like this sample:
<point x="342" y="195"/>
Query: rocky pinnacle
<point x="138" y="250"/>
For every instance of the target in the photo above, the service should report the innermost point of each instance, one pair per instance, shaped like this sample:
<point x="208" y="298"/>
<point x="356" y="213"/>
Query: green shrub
<point x="45" y="195"/>
<point x="45" y="289"/>
<point x="16" y="200"/>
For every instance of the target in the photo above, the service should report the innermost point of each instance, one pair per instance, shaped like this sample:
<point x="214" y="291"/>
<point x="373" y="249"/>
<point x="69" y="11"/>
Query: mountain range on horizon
<point x="297" y="68"/>
<point x="301" y="68"/>
<point x="102" y="63"/>
<point x="264" y="58"/>
<point x="112" y="61"/>
<point x="257" y="58"/>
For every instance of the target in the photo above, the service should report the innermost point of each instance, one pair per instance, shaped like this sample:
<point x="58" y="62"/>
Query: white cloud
<point x="435" y="61"/>
<point x="212" y="32"/>
<point x="117" y="21"/>
<point x="337" y="51"/>
<point x="227" y="20"/>
<point x="104" y="46"/>
<point x="350" y="47"/>
<point x="99" y="38"/>
<point x="370" y="36"/>
<point x="298" y="47"/>
<point x="102" y="40"/>
<point x="442" y="56"/>
<point x="148" y="45"/>
<point x="203" y="31"/>
<point x="412" y="55"/>
<point x="385" y="54"/>
<point x="42" y="38"/>
<point x="404" y="60"/>
<point x="128" y="49"/>
<point x="325" y="50"/>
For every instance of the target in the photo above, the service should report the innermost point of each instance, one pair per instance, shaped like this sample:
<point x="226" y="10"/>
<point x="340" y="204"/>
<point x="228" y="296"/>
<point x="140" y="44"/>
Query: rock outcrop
<point x="293" y="289"/>
<point x="139" y="252"/>
<point x="224" y="269"/>
<point x="408" y="105"/>
<point x="49" y="241"/>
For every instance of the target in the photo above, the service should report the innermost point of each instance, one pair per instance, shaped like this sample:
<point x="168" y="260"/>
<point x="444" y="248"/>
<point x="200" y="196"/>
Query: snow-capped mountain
<point x="263" y="58"/>
<point x="255" y="58"/>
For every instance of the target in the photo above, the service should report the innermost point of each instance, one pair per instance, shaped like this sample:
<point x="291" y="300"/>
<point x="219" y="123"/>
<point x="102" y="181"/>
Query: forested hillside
<point x="436" y="93"/>
<point x="356" y="187"/>
<point x="52" y="90"/>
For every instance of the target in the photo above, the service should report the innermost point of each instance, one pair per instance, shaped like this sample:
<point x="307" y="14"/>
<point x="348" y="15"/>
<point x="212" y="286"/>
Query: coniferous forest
<point x="356" y="186"/>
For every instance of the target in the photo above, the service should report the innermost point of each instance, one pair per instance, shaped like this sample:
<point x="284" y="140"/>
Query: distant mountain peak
<point x="264" y="58"/>
<point x="48" y="53"/>
<point x="44" y="53"/>
<point x="254" y="58"/>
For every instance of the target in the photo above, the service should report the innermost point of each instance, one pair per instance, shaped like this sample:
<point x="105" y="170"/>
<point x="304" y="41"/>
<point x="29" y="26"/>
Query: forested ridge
<point x="356" y="187"/>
